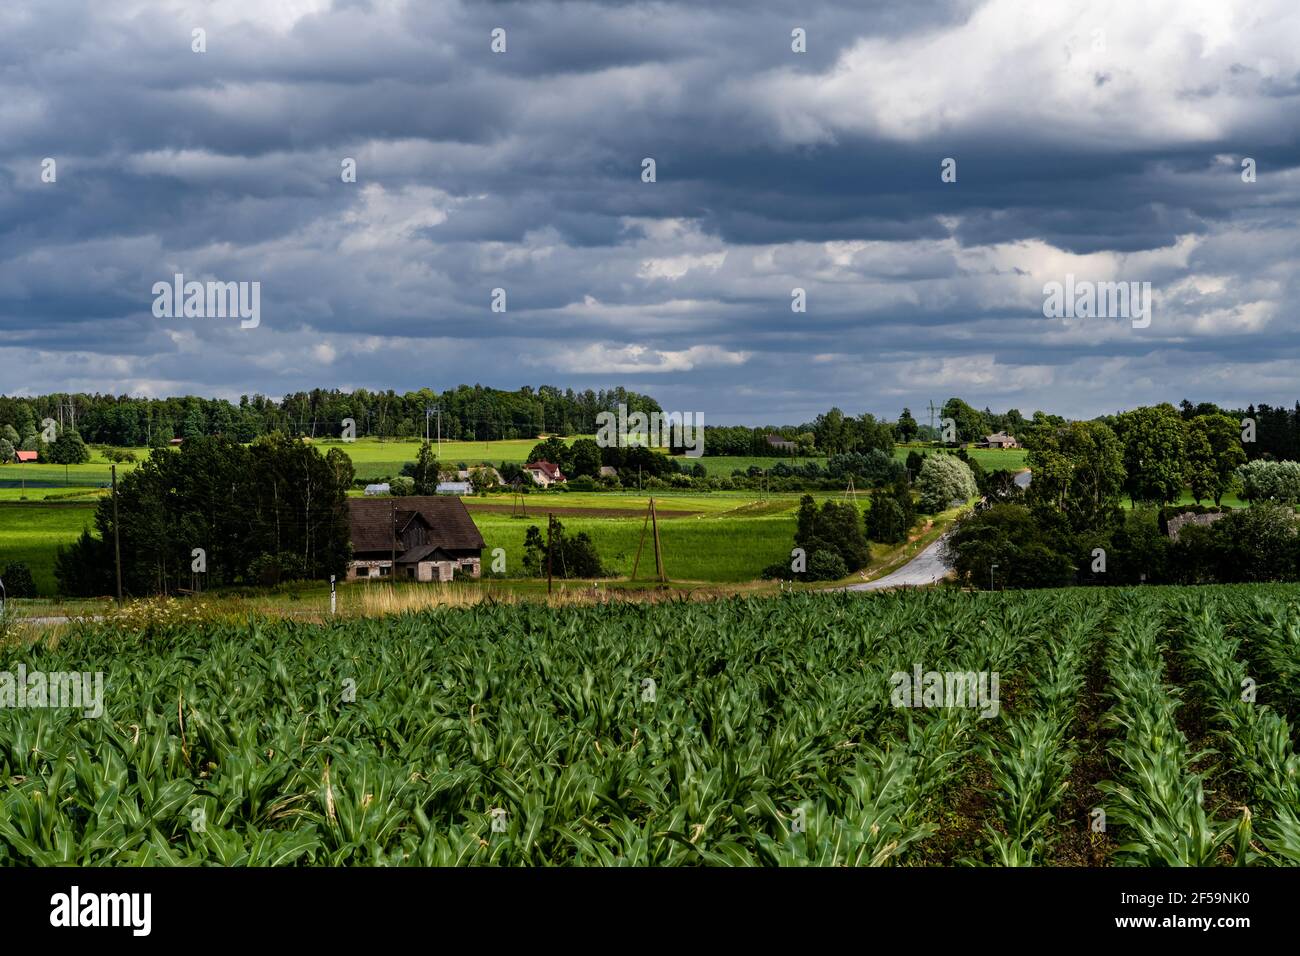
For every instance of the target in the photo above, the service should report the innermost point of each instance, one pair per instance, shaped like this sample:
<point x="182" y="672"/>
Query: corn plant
<point x="523" y="735"/>
<point x="1158" y="799"/>
<point x="1030" y="763"/>
<point x="1257" y="738"/>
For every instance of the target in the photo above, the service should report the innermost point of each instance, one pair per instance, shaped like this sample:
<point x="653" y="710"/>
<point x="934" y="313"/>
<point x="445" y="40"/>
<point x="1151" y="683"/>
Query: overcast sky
<point x="1103" y="140"/>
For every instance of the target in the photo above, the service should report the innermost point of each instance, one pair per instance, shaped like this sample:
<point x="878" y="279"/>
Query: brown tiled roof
<point x="371" y="521"/>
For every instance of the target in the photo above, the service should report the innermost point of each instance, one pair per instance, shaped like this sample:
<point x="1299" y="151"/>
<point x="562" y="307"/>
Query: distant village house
<point x="998" y="440"/>
<point x="545" y="473"/>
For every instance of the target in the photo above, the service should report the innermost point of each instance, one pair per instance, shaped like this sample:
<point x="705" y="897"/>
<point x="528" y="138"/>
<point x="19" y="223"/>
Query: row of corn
<point x="1157" y="797"/>
<point x="1030" y="757"/>
<point x="1255" y="737"/>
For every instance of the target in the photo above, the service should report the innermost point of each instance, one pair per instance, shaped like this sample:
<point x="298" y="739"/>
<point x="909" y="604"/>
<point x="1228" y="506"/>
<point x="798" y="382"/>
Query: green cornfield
<point x="1150" y="727"/>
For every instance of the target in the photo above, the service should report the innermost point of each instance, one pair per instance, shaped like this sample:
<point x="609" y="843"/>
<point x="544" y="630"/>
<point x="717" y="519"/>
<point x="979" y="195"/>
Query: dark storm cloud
<point x="521" y="171"/>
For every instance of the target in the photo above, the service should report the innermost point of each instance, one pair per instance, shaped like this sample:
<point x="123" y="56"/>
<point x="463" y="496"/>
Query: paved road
<point x="926" y="568"/>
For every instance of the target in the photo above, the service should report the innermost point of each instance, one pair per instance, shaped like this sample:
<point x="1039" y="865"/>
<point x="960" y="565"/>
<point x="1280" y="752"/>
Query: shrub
<point x="944" y="479"/>
<point x="833" y="527"/>
<point x="875" y="468"/>
<point x="1257" y="544"/>
<point x="826" y="565"/>
<point x="272" y="569"/>
<point x="482" y="480"/>
<point x="84" y="568"/>
<point x="572" y="556"/>
<point x="915" y="461"/>
<point x="1011" y="537"/>
<point x="18" y="581"/>
<point x="891" y="515"/>
<point x="1139" y="550"/>
<point x="999" y="485"/>
<point x="1270" y="481"/>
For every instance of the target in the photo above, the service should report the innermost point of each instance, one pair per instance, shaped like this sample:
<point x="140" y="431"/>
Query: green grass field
<point x="715" y="502"/>
<point x="723" y="465"/>
<point x="731" y="539"/>
<point x="74" y="493"/>
<point x="374" y="459"/>
<point x="31" y="531"/>
<point x="92" y="474"/>
<point x="705" y="549"/>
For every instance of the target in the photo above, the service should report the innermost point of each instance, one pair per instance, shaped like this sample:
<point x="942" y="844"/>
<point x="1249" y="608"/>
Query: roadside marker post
<point x="333" y="597"/>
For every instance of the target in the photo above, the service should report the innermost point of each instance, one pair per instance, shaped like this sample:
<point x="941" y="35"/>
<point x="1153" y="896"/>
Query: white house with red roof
<point x="545" y="473"/>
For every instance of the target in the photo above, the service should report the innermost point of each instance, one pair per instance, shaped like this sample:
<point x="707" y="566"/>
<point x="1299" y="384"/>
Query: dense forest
<point x="465" y="413"/>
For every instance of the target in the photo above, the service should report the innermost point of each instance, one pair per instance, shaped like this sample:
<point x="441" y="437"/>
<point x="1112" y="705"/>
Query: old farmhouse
<point x="427" y="537"/>
<point x="998" y="440"/>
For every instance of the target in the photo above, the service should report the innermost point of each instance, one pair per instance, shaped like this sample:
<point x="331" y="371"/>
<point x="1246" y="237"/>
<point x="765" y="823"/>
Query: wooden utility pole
<point x="550" y="527"/>
<point x="117" y="546"/>
<point x="392" y="572"/>
<point x="650" y="520"/>
<point x="636" y="562"/>
<point x="659" y="560"/>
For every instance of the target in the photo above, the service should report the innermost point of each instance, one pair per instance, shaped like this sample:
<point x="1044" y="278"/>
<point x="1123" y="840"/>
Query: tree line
<point x="216" y="512"/>
<point x="465" y="413"/>
<point x="1070" y="526"/>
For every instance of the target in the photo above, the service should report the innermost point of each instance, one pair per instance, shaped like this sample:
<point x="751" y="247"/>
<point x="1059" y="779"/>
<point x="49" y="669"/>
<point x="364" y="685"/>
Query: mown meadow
<point x="748" y="731"/>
